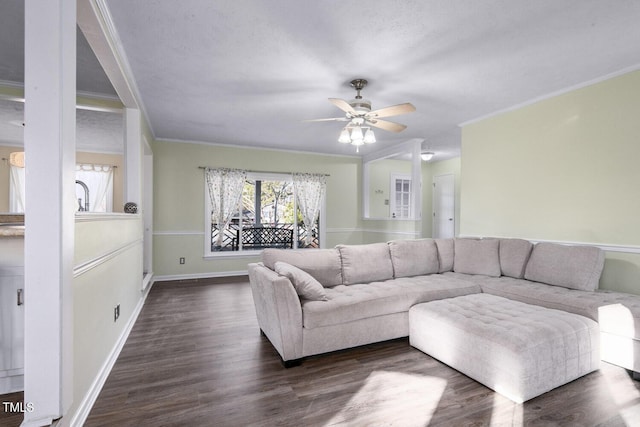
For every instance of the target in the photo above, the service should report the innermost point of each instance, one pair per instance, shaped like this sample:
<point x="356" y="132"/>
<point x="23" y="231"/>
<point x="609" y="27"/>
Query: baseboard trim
<point x="147" y="281"/>
<point x="192" y="276"/>
<point x="79" y="418"/>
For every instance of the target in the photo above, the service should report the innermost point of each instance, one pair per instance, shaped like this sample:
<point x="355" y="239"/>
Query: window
<point x="16" y="189"/>
<point x="400" y="196"/>
<point x="266" y="217"/>
<point x="94" y="188"/>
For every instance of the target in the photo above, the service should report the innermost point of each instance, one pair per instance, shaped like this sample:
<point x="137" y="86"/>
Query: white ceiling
<point x="251" y="72"/>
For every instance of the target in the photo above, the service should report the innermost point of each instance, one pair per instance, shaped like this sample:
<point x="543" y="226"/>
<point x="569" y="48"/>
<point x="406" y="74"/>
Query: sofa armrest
<point x="278" y="310"/>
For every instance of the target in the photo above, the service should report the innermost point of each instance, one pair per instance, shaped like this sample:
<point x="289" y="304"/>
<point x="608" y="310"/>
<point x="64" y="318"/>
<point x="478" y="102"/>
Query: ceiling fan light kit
<point x="359" y="115"/>
<point x="369" y="137"/>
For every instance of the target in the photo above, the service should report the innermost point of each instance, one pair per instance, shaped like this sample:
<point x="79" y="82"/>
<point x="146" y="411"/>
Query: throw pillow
<point x="306" y="286"/>
<point x="472" y="256"/>
<point x="324" y="265"/>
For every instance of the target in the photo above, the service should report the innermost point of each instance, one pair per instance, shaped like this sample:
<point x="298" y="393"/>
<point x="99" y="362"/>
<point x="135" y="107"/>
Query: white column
<point x="133" y="157"/>
<point x="49" y="139"/>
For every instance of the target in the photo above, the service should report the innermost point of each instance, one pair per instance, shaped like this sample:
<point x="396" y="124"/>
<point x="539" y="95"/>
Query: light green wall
<point x="380" y="173"/>
<point x="385" y="230"/>
<point x="562" y="169"/>
<point x="179" y="200"/>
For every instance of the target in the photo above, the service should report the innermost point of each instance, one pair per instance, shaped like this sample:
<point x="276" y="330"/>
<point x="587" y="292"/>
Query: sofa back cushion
<point x="365" y="263"/>
<point x="414" y="257"/>
<point x="306" y="286"/>
<point x="475" y="256"/>
<point x="514" y="254"/>
<point x="574" y="267"/>
<point x="445" y="254"/>
<point x="324" y="265"/>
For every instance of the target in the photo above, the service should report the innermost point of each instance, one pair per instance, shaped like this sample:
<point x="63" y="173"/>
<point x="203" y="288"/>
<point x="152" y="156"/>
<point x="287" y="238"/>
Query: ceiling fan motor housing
<point x="358" y="103"/>
<point x="361" y="105"/>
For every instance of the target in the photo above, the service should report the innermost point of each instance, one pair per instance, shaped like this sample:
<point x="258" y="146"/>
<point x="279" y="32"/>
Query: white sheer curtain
<point x="99" y="180"/>
<point x="225" y="191"/>
<point x="16" y="189"/>
<point x="309" y="190"/>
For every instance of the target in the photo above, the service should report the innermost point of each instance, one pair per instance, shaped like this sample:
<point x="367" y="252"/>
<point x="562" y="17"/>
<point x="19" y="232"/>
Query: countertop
<point x="11" y="225"/>
<point x="11" y="231"/>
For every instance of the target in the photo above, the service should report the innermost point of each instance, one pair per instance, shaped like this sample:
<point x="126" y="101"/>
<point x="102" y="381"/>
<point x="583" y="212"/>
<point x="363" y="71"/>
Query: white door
<point x="444" y="224"/>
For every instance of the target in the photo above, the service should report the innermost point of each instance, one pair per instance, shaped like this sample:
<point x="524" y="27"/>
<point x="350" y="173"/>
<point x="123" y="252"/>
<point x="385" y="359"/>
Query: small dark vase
<point x="130" y="207"/>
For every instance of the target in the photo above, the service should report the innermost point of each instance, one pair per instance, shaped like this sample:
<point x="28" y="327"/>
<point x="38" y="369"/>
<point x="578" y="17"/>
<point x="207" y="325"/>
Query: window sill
<point x="232" y="254"/>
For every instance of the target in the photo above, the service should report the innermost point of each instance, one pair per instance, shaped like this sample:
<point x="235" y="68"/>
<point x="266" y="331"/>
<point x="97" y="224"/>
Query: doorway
<point x="444" y="223"/>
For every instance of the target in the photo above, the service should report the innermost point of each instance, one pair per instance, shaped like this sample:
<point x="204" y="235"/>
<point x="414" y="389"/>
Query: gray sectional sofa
<point x="310" y="302"/>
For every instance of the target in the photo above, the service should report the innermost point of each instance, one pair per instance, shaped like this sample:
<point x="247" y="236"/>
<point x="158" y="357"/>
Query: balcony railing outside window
<point x="252" y="237"/>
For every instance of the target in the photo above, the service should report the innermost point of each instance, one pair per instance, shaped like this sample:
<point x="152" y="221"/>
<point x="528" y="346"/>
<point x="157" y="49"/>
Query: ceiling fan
<point x="359" y="115"/>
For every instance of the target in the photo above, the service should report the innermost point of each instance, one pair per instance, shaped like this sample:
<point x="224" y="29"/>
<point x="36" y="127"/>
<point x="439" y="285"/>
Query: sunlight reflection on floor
<point x="393" y="398"/>
<point x="626" y="396"/>
<point x="506" y="411"/>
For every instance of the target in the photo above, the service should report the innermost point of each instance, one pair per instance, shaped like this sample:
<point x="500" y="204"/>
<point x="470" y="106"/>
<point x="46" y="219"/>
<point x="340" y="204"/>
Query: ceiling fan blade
<point x="393" y="110"/>
<point x="387" y="125"/>
<point x="333" y="119"/>
<point x="343" y="105"/>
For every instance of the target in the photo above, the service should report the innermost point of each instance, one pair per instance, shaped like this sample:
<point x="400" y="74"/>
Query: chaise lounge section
<point x="310" y="302"/>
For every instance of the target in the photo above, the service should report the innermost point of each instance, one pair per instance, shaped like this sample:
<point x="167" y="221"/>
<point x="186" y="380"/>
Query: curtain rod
<point x="255" y="171"/>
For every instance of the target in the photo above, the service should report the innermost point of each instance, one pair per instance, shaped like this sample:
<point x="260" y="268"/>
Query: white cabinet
<point x="11" y="315"/>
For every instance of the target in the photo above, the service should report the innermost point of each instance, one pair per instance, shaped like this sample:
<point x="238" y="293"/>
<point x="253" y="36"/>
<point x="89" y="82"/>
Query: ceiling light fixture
<point x="427" y="155"/>
<point x="352" y="134"/>
<point x="369" y="137"/>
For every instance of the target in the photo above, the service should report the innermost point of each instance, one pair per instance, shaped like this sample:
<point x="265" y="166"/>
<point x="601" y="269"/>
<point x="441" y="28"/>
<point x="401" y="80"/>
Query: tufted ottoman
<point x="517" y="349"/>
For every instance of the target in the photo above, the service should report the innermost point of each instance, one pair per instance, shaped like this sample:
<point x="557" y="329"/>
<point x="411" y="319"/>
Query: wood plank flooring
<point x="196" y="358"/>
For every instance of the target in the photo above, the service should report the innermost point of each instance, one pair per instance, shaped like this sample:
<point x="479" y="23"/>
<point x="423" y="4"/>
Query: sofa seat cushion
<point x="361" y="301"/>
<point x="324" y="265"/>
<point x="617" y="313"/>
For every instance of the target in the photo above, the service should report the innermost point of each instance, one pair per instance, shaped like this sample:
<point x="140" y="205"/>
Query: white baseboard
<point x="192" y="276"/>
<point x="147" y="280"/>
<point x="11" y="381"/>
<point x="81" y="414"/>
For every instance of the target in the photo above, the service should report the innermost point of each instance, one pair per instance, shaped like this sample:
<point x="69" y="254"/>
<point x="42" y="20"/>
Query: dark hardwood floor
<point x="196" y="358"/>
